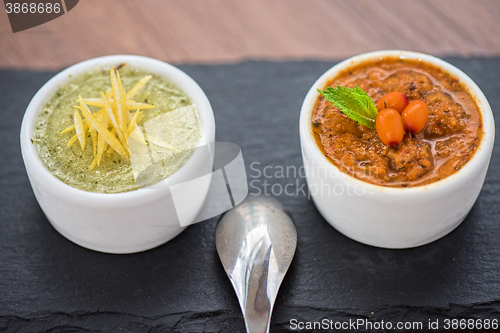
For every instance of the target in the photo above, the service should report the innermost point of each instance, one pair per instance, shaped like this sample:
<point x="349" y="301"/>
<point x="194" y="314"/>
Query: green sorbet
<point x="114" y="174"/>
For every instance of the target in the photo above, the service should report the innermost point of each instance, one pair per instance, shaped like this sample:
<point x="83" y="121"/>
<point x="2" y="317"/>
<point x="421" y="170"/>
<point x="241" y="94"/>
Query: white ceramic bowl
<point x="393" y="217"/>
<point x="119" y="222"/>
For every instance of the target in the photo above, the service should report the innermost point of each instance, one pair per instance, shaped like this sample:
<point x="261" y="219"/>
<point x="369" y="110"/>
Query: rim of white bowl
<point x="488" y="122"/>
<point x="175" y="75"/>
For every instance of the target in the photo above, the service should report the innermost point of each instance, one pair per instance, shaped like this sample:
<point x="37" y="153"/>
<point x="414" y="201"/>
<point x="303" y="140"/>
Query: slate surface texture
<point x="48" y="284"/>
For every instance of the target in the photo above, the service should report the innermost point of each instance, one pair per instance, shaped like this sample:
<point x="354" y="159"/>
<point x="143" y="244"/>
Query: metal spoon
<point x="256" y="242"/>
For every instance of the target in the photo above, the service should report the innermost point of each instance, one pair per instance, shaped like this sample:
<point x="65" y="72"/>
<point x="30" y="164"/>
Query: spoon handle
<point x="258" y="304"/>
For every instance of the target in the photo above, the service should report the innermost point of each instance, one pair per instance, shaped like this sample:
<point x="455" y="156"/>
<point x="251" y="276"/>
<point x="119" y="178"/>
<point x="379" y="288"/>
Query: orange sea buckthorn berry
<point x="415" y="116"/>
<point x="394" y="100"/>
<point x="389" y="127"/>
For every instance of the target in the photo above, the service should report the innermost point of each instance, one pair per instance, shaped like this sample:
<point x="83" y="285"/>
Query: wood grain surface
<point x="219" y="31"/>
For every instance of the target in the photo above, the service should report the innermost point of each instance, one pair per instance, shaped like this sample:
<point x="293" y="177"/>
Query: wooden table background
<point x="220" y="31"/>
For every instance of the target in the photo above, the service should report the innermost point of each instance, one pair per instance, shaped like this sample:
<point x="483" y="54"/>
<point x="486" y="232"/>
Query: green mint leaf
<point x="354" y="103"/>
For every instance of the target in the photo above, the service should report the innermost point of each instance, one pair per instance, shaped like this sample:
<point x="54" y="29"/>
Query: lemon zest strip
<point x="100" y="141"/>
<point x="133" y="122"/>
<point x="93" y="164"/>
<point x="123" y="99"/>
<point x="80" y="132"/>
<point x="117" y="98"/>
<point x="93" y="133"/>
<point x="138" y="86"/>
<point x="113" y="120"/>
<point x="69" y="129"/>
<point x="110" y="149"/>
<point x="93" y="136"/>
<point x="129" y="105"/>
<point x="74" y="138"/>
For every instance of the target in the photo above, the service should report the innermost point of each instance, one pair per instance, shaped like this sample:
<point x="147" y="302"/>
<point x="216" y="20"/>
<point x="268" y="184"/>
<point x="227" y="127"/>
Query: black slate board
<point x="48" y="284"/>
